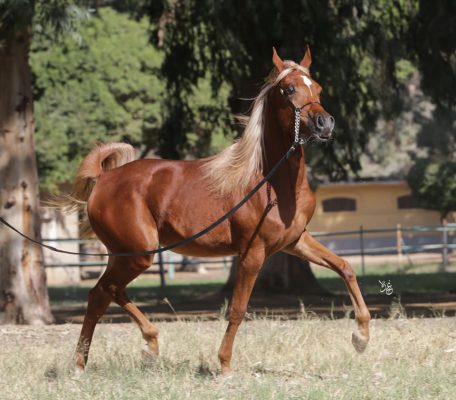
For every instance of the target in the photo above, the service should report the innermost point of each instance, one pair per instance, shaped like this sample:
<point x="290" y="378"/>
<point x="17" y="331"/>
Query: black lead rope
<point x="189" y="239"/>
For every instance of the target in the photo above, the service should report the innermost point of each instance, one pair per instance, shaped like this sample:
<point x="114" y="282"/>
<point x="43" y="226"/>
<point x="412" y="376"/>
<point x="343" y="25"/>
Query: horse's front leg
<point x="247" y="272"/>
<point x="308" y="248"/>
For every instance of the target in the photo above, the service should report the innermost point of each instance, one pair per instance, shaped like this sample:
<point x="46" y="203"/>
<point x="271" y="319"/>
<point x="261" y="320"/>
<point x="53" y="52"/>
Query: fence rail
<point x="400" y="247"/>
<point x="361" y="242"/>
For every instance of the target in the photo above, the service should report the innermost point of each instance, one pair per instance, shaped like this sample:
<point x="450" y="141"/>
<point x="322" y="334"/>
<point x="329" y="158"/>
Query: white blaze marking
<point x="307" y="82"/>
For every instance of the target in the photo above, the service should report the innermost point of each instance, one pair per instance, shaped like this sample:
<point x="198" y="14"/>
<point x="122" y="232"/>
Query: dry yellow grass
<point x="274" y="359"/>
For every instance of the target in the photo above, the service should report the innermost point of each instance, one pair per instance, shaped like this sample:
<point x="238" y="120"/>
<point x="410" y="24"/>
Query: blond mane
<point x="233" y="168"/>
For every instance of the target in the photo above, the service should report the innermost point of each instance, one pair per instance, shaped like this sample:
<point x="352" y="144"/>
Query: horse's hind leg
<point x="111" y="287"/>
<point x="98" y="302"/>
<point x="310" y="249"/>
<point x="124" y="270"/>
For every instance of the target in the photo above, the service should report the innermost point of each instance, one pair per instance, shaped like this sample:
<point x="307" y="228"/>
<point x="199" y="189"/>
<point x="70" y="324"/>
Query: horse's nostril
<point x="320" y="122"/>
<point x="332" y="122"/>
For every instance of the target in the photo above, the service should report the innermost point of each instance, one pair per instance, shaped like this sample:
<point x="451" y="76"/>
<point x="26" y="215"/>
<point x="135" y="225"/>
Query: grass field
<point x="274" y="359"/>
<point x="306" y="358"/>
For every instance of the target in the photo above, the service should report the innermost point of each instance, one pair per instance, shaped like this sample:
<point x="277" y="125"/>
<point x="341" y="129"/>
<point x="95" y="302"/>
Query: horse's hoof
<point x="227" y="375"/>
<point x="359" y="341"/>
<point x="77" y="374"/>
<point x="148" y="357"/>
<point x="226" y="378"/>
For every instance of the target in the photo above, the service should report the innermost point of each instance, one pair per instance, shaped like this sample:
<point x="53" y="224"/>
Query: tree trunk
<point x="23" y="291"/>
<point x="283" y="273"/>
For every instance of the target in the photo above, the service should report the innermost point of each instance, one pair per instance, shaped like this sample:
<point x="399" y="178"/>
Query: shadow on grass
<point x="139" y="293"/>
<point x="181" y="293"/>
<point x="424" y="294"/>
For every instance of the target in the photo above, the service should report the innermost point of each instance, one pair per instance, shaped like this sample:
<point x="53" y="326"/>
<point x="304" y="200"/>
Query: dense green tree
<point x="390" y="146"/>
<point x="104" y="87"/>
<point x="23" y="292"/>
<point x="433" y="42"/>
<point x="107" y="86"/>
<point x="433" y="184"/>
<point x="433" y="39"/>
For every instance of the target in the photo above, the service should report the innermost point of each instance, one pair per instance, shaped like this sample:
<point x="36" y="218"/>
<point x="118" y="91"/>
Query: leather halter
<point x="305" y="105"/>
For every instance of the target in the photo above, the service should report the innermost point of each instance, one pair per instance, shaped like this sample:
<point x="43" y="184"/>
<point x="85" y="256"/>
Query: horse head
<point x="295" y="89"/>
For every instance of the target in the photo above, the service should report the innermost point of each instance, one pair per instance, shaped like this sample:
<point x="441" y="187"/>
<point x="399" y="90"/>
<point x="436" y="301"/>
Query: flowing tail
<point x="102" y="158"/>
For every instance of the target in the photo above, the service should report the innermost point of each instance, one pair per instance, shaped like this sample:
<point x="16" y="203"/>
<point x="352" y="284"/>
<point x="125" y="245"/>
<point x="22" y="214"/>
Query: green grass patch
<point x="401" y="283"/>
<point x="386" y="269"/>
<point x="141" y="291"/>
<point x="178" y="291"/>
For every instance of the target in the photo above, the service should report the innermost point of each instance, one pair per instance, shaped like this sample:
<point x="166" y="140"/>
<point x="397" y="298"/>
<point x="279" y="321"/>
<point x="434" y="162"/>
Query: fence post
<point x="361" y="247"/>
<point x="162" y="270"/>
<point x="171" y="270"/>
<point x="444" y="246"/>
<point x="399" y="245"/>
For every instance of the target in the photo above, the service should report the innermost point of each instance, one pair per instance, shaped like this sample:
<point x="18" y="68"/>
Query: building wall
<point x="376" y="207"/>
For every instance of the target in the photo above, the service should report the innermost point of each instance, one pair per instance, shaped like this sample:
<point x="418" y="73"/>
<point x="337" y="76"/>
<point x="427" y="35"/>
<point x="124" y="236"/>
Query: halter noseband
<point x="297" y="113"/>
<point x="305" y="105"/>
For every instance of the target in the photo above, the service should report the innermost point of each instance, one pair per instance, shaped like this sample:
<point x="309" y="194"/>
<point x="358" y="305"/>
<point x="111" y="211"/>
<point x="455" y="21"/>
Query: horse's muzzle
<point x="324" y="125"/>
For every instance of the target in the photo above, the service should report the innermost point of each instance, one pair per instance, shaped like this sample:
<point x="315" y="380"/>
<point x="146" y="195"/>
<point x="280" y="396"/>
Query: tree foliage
<point x="433" y="184"/>
<point x="433" y="42"/>
<point x="60" y="16"/>
<point x="104" y="89"/>
<point x="107" y="86"/>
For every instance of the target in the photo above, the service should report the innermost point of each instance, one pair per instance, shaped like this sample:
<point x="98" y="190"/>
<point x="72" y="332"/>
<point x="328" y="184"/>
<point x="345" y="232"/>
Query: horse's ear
<point x="277" y="60"/>
<point x="307" y="59"/>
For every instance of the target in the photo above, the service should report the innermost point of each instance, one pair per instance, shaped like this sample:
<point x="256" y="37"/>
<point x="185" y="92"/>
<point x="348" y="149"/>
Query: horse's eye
<point x="289" y="90"/>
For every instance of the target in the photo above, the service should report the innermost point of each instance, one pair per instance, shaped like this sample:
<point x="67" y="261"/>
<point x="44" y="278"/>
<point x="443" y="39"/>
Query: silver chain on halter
<point x="298" y="140"/>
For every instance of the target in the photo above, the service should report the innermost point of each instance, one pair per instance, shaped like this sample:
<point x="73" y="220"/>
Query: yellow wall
<point x="376" y="204"/>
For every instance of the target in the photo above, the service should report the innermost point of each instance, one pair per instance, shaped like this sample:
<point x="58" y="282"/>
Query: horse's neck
<point x="276" y="144"/>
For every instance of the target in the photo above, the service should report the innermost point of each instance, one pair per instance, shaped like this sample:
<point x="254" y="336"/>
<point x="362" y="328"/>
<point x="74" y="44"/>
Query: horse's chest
<point x="283" y="225"/>
<point x="291" y="219"/>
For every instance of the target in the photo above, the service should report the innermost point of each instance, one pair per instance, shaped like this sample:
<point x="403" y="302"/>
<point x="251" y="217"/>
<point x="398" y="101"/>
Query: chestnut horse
<point x="135" y="205"/>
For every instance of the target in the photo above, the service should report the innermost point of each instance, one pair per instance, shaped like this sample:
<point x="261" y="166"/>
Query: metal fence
<point x="399" y="240"/>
